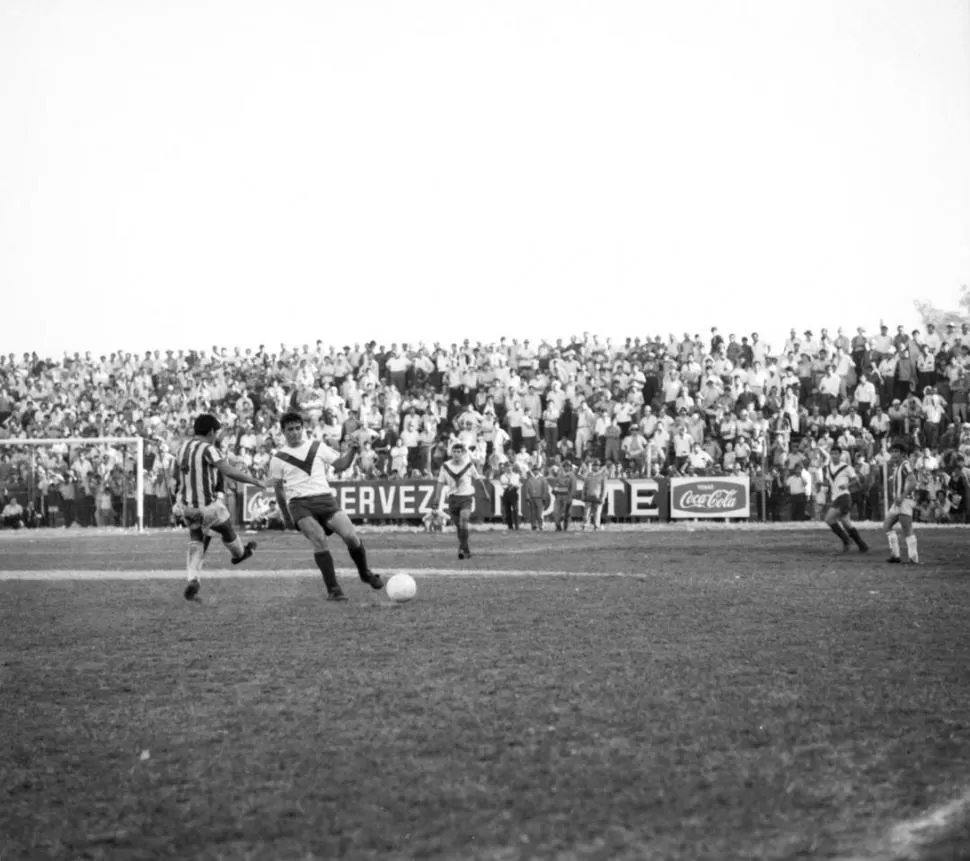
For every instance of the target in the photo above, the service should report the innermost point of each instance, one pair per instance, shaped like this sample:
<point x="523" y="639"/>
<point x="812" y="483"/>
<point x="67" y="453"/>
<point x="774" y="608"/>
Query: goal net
<point x="77" y="481"/>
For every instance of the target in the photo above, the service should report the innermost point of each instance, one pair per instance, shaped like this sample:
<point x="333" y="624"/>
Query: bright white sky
<point x="177" y="173"/>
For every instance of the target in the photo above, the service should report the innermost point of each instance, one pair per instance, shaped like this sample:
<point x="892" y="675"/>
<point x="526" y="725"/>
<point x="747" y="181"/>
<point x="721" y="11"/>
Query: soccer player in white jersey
<point x="458" y="475"/>
<point x="198" y="470"/>
<point x="298" y="473"/>
<point x="840" y="479"/>
<point x="902" y="487"/>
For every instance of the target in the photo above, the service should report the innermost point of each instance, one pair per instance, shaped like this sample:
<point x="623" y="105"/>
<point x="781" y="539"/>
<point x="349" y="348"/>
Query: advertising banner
<point x="377" y="500"/>
<point x="404" y="500"/>
<point x="714" y="497"/>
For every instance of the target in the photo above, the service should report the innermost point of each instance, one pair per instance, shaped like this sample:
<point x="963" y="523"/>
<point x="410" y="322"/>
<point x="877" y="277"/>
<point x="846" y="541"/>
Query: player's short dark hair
<point x="290" y="418"/>
<point x="204" y="424"/>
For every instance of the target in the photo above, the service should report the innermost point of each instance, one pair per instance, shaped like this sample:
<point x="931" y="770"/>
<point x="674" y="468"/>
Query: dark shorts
<point x="458" y="504"/>
<point x="843" y="505"/>
<point x="320" y="508"/>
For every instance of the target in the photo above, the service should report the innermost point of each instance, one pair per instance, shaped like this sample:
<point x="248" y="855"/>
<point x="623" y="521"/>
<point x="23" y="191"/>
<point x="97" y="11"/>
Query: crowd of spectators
<point x="649" y="406"/>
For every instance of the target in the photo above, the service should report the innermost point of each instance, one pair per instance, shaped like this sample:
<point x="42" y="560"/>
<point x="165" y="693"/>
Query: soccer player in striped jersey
<point x="840" y="479"/>
<point x="298" y="473"/>
<point x="902" y="487"/>
<point x="199" y="471"/>
<point x="458" y="475"/>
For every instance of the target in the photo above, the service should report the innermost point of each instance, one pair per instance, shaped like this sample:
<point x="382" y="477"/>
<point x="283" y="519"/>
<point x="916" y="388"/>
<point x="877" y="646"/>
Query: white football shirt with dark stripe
<point x="458" y="478"/>
<point x="196" y="476"/>
<point x="303" y="469"/>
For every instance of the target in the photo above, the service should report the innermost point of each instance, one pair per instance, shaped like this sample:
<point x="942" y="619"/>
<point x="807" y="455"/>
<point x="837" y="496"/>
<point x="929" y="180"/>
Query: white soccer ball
<point x="401" y="588"/>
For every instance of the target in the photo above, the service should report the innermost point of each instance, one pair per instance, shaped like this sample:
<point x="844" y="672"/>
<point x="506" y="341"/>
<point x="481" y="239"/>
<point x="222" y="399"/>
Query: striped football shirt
<point x="197" y="480"/>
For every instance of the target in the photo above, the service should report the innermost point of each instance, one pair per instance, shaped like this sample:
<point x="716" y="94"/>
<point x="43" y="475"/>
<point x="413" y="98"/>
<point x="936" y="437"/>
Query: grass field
<point x="653" y="694"/>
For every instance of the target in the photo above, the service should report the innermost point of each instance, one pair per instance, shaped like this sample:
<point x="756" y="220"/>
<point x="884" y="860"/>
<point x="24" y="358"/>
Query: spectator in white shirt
<point x="882" y="345"/>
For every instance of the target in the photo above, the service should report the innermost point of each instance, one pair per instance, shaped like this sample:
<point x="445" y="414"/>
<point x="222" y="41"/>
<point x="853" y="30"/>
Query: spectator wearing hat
<point x="865" y="398"/>
<point x="905" y="375"/>
<point x="925" y="367"/>
<point x="901" y="338"/>
<point x="932" y="338"/>
<point x="897" y="418"/>
<point x="550" y="427"/>
<point x="860" y="351"/>
<point x="529" y="430"/>
<point x="934" y="409"/>
<point x="829" y="387"/>
<point x="886" y="373"/>
<point x="612" y="439"/>
<point x="513" y="423"/>
<point x="882" y="344"/>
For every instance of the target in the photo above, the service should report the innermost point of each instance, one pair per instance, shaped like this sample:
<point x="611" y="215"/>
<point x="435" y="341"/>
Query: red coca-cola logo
<point x="711" y="497"/>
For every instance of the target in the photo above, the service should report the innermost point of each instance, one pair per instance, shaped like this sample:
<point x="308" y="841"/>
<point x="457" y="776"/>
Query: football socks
<point x="359" y="555"/>
<point x="324" y="560"/>
<point x="839" y="530"/>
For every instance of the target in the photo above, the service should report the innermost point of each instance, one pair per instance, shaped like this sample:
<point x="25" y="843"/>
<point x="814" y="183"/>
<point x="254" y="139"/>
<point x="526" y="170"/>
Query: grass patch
<point x="733" y="695"/>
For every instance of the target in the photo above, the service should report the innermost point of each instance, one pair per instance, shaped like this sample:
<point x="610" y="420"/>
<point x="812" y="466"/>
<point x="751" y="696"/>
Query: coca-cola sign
<point x="727" y="497"/>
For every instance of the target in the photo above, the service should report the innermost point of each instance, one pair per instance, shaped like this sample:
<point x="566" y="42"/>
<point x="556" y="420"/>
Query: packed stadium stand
<point x="662" y="406"/>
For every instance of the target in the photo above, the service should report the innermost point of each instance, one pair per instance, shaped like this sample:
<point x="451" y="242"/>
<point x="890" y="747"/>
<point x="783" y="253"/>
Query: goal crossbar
<point x="137" y="441"/>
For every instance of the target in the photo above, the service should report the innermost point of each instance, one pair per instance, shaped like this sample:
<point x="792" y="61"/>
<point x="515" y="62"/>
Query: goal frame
<point x="137" y="441"/>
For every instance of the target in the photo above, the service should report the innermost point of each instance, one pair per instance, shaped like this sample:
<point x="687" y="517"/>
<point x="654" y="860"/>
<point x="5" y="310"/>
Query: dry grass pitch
<point x="723" y="694"/>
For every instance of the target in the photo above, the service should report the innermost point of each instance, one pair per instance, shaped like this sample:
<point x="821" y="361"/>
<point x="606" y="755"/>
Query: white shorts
<point x="903" y="508"/>
<point x="208" y="517"/>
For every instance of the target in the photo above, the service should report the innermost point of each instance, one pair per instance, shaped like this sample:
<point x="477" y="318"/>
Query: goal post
<point x="87" y="442"/>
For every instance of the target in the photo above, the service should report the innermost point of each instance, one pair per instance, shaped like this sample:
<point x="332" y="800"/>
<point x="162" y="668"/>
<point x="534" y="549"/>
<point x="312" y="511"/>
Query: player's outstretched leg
<point x="464" y="551"/>
<point x="324" y="560"/>
<point x="193" y="562"/>
<point x="344" y="527"/>
<point x="314" y="533"/>
<point x="237" y="551"/>
<point x="839" y="530"/>
<point x="853" y="533"/>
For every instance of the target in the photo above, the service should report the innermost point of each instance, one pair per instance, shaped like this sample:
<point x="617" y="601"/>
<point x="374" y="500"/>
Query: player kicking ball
<point x="298" y="474"/>
<point x="199" y="470"/>
<point x="902" y="486"/>
<point x="458" y="475"/>
<point x="841" y="480"/>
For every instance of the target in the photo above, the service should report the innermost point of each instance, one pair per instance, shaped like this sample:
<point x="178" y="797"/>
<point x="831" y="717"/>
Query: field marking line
<point x="906" y="840"/>
<point x="180" y="574"/>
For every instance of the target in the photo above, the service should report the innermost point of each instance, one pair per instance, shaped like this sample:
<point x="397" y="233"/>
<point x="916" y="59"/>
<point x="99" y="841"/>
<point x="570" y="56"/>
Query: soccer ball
<point x="401" y="588"/>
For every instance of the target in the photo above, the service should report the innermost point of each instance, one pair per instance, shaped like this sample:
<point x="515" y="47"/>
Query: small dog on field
<point x="434" y="521"/>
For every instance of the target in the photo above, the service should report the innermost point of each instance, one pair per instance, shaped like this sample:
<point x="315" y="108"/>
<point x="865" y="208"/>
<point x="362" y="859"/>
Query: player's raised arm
<point x="346" y="460"/>
<point x="235" y="474"/>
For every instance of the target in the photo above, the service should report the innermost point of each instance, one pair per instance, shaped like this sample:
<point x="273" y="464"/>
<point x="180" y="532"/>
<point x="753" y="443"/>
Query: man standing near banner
<point x="537" y="497"/>
<point x="594" y="494"/>
<point x="564" y="489"/>
<point x="511" y="484"/>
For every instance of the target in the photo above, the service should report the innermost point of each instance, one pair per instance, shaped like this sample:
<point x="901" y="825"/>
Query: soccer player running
<point x="902" y="487"/>
<point x="457" y="474"/>
<point x="199" y="469"/>
<point x="298" y="474"/>
<point x="841" y="479"/>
